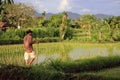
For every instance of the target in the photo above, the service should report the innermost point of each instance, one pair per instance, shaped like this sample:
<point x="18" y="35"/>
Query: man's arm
<point x="30" y="40"/>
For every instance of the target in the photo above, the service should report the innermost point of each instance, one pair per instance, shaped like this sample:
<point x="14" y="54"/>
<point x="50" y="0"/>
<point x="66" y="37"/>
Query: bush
<point x="94" y="64"/>
<point x="20" y="33"/>
<point x="45" y="32"/>
<point x="15" y="36"/>
<point x="116" y="35"/>
<point x="69" y="34"/>
<point x="2" y="42"/>
<point x="50" y="39"/>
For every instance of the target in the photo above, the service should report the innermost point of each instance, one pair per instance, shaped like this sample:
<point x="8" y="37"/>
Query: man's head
<point x="29" y="31"/>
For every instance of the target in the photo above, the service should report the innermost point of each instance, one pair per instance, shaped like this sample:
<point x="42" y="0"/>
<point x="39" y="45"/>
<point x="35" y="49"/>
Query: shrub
<point x="116" y="35"/>
<point x="69" y="34"/>
<point x="20" y="33"/>
<point x="50" y="39"/>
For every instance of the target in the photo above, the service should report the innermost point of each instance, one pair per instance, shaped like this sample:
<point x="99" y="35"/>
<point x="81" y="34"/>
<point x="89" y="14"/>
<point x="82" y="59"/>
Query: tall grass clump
<point x="92" y="64"/>
<point x="62" y="70"/>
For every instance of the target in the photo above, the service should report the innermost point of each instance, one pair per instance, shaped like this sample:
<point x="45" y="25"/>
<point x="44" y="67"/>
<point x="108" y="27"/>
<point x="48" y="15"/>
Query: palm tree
<point x="7" y="1"/>
<point x="3" y="2"/>
<point x="11" y="1"/>
<point x="63" y="26"/>
<point x="44" y="15"/>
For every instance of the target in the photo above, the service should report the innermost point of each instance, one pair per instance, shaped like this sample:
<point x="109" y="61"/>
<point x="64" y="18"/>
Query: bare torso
<point x="28" y="43"/>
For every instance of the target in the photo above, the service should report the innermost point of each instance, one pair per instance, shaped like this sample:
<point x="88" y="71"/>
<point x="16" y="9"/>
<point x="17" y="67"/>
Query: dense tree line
<point x="85" y="28"/>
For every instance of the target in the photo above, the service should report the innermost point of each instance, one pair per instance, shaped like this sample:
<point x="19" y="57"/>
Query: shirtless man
<point x="29" y="52"/>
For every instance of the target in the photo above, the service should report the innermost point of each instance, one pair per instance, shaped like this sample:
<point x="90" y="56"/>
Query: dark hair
<point x="28" y="31"/>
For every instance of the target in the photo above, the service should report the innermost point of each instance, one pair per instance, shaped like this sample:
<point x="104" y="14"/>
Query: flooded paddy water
<point x="79" y="53"/>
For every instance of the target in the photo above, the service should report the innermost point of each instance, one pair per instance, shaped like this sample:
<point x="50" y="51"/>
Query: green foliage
<point x="58" y="70"/>
<point x="9" y="34"/>
<point x="114" y="22"/>
<point x="86" y="21"/>
<point x="49" y="39"/>
<point x="20" y="33"/>
<point x="116" y="35"/>
<point x="45" y="32"/>
<point x="87" y="26"/>
<point x="55" y="20"/>
<point x="94" y="64"/>
<point x="69" y="34"/>
<point x="15" y="14"/>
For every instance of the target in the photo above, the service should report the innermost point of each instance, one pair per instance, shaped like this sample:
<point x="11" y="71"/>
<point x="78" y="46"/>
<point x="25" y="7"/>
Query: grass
<point x="93" y="64"/>
<point x="107" y="74"/>
<point x="66" y="70"/>
<point x="92" y="68"/>
<point x="13" y="54"/>
<point x="110" y="73"/>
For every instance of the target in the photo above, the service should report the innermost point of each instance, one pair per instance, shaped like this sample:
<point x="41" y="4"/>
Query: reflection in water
<point x="86" y="53"/>
<point x="79" y="53"/>
<point x="45" y="57"/>
<point x="116" y="51"/>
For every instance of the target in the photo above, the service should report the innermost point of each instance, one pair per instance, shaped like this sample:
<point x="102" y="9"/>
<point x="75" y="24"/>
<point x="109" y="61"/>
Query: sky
<point x="109" y="7"/>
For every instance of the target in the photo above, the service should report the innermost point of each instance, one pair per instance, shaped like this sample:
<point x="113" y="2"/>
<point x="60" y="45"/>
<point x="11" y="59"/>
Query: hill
<point x="74" y="15"/>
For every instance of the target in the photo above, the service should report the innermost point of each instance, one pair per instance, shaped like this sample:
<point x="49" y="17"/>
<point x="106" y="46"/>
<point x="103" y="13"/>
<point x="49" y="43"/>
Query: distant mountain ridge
<point x="75" y="15"/>
<point x="103" y="16"/>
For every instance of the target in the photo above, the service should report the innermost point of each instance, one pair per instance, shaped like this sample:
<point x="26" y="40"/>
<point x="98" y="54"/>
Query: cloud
<point x="117" y="1"/>
<point x="39" y="6"/>
<point x="85" y="10"/>
<point x="64" y="6"/>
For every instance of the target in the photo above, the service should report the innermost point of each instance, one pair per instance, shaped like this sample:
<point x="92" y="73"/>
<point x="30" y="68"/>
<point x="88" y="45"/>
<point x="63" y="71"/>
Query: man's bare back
<point x="28" y="43"/>
<point x="29" y="54"/>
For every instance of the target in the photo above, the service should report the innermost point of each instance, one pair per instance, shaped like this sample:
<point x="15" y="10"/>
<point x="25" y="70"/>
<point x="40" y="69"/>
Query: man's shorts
<point x="29" y="55"/>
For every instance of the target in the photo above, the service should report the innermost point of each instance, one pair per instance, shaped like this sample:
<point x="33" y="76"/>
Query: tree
<point x="17" y="13"/>
<point x="114" y="24"/>
<point x="4" y="2"/>
<point x="41" y="20"/>
<point x="55" y="20"/>
<point x="86" y="22"/>
<point x="44" y="15"/>
<point x="64" y="25"/>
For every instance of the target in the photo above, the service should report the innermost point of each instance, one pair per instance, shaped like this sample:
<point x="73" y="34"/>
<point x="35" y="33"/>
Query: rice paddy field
<point x="13" y="54"/>
<point x="67" y="60"/>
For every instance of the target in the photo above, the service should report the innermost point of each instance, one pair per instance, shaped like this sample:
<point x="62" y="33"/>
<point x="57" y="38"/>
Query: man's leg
<point x="26" y="56"/>
<point x="31" y="60"/>
<point x="32" y="55"/>
<point x="27" y="62"/>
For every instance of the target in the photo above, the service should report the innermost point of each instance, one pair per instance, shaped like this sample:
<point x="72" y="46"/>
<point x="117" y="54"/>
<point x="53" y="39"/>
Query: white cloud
<point x="64" y="6"/>
<point x="39" y="6"/>
<point x="85" y="10"/>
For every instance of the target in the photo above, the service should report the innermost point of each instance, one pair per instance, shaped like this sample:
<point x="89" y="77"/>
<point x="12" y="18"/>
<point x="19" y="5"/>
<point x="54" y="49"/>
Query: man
<point x="29" y="54"/>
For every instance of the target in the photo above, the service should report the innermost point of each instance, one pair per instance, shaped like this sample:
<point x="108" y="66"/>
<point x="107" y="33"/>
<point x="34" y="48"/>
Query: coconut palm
<point x="63" y="26"/>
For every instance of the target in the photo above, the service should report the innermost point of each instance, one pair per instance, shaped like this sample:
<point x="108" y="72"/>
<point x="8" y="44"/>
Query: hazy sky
<point x="111" y="7"/>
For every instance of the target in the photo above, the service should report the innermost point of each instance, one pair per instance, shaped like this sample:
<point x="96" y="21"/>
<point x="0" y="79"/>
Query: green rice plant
<point x="13" y="54"/>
